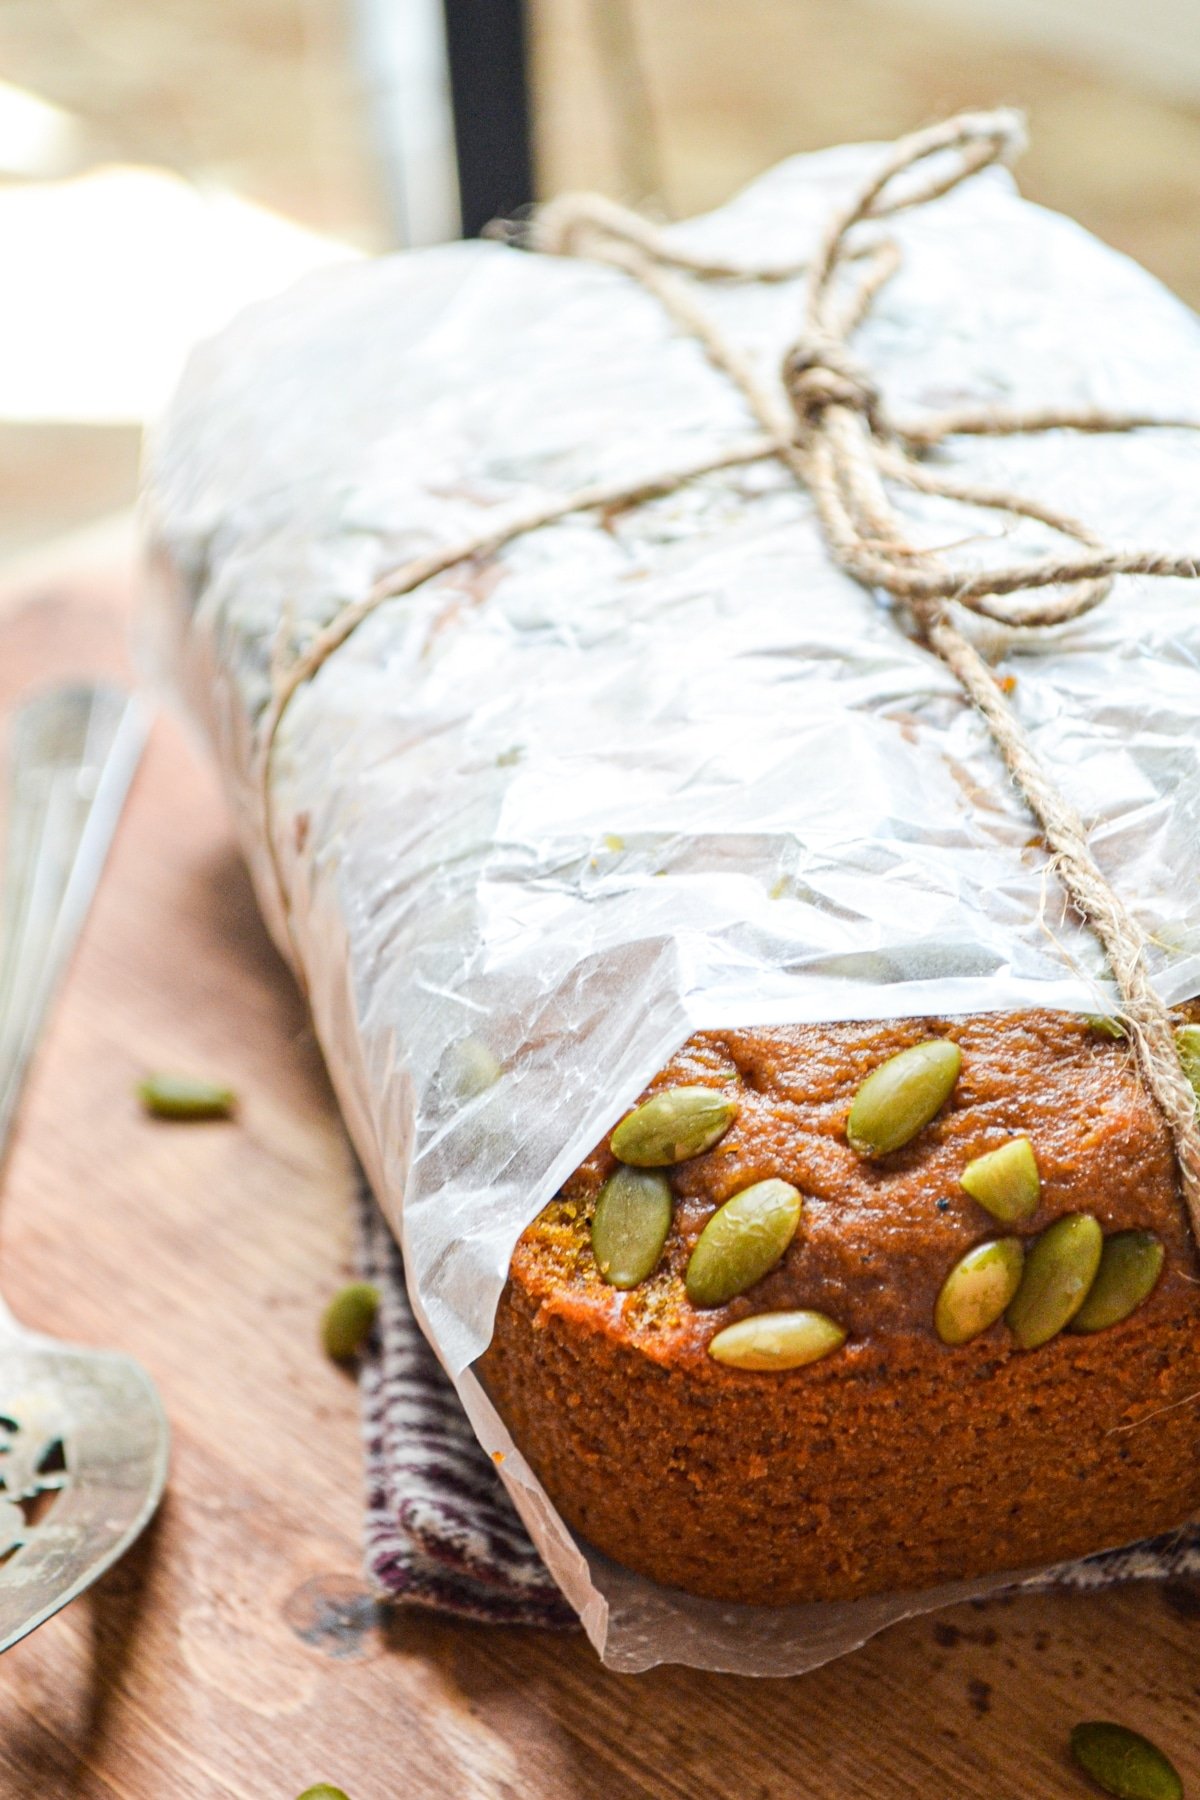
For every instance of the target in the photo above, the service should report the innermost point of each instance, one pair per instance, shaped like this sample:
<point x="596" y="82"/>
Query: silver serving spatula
<point x="83" y="1438"/>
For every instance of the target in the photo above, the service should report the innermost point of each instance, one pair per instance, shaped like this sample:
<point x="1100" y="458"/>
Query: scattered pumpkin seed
<point x="742" y="1242"/>
<point x="1130" y="1264"/>
<point x="978" y="1289"/>
<point x="778" y="1340"/>
<point x="1005" y="1182"/>
<point x="630" y="1225"/>
<point x="1060" y="1268"/>
<point x="672" y="1126"/>
<point x="1104" y="1026"/>
<point x="324" y="1791"/>
<point x="902" y="1095"/>
<point x="347" y="1321"/>
<point x="1124" y="1763"/>
<point x="185" y="1097"/>
<point x="1187" y="1042"/>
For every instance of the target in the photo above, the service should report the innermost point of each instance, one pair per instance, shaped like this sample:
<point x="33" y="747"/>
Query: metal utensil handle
<point x="73" y="754"/>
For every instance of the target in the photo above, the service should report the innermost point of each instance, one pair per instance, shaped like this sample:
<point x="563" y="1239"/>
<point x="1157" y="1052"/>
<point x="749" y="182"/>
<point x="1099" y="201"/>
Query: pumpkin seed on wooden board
<point x="776" y="1341"/>
<point x="742" y="1242"/>
<point x="323" y="1791"/>
<point x="901" y="1096"/>
<point x="1130" y="1265"/>
<point x="630" y="1225"/>
<point x="1124" y="1763"/>
<point x="672" y="1126"/>
<point x="347" y="1321"/>
<point x="1005" y="1182"/>
<point x="978" y="1289"/>
<point x="185" y="1097"/>
<point x="1060" y="1267"/>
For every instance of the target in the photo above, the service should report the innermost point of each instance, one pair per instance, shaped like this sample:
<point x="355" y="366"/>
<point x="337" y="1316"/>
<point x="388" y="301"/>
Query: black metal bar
<point x="486" y="45"/>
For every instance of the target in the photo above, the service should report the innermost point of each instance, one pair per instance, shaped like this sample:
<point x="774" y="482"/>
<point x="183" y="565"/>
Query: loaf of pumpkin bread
<point x="932" y="1436"/>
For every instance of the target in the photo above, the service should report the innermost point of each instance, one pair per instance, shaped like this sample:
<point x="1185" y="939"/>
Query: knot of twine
<point x="827" y="421"/>
<point x="820" y="372"/>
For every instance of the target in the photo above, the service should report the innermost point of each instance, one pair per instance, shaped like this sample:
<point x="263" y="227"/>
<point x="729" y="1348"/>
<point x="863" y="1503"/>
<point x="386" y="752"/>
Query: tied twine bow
<point x="830" y="425"/>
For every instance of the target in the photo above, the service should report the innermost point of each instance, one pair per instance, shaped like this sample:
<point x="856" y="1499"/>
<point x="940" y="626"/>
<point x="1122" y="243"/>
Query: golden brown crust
<point x="898" y="1462"/>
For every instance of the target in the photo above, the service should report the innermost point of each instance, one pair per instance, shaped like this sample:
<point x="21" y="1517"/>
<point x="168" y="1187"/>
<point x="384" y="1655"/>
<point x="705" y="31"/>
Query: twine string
<point x="829" y="423"/>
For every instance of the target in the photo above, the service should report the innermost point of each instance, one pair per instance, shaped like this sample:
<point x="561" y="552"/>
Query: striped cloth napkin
<point x="440" y="1530"/>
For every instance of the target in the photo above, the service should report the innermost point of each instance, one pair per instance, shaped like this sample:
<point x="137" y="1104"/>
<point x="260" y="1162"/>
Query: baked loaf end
<point x="898" y="1461"/>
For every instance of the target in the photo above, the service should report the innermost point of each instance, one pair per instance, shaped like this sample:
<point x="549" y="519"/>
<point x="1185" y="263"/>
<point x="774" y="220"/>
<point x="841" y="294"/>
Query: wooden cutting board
<point x="235" y="1652"/>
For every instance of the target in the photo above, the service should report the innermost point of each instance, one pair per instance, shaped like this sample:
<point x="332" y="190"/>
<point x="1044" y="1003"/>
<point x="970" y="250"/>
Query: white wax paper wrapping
<point x="667" y="769"/>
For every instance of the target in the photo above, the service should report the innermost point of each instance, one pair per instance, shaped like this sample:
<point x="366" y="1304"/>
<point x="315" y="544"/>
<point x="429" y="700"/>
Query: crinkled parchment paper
<point x="667" y="769"/>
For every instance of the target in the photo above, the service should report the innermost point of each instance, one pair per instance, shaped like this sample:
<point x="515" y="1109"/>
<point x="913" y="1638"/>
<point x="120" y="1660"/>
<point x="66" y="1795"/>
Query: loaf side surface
<point x="899" y="1462"/>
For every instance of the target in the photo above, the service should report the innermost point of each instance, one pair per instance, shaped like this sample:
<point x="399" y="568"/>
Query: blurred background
<point x="163" y="161"/>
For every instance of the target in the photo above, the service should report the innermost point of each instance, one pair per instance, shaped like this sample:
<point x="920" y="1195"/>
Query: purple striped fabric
<point x="440" y="1529"/>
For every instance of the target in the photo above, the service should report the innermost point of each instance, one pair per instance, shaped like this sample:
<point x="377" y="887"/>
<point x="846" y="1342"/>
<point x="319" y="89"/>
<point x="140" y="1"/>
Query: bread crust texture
<point x="898" y="1462"/>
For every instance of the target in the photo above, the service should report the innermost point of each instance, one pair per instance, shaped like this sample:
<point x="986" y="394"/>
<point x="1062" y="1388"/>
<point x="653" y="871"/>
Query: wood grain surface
<point x="235" y="1652"/>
